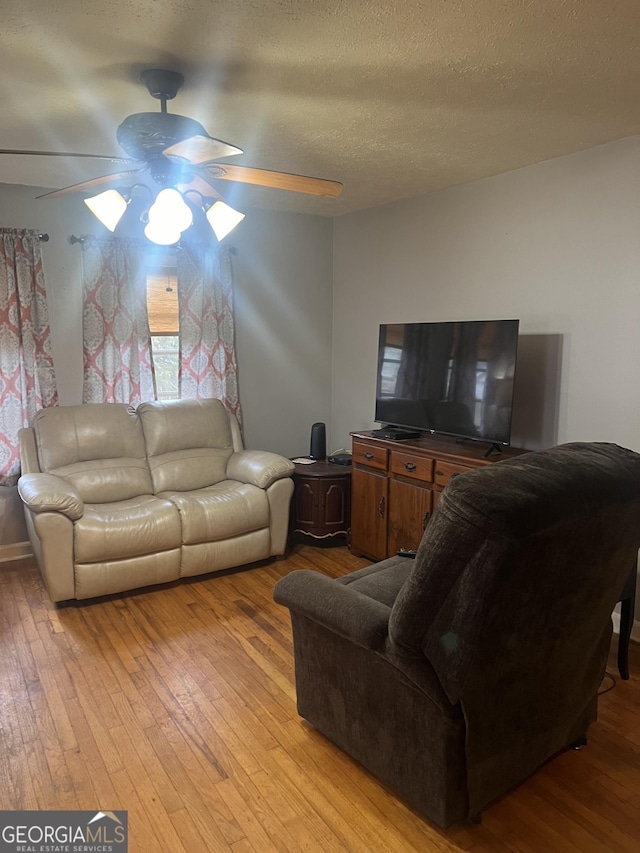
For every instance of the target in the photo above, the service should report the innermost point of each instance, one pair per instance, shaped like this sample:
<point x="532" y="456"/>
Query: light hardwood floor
<point x="178" y="705"/>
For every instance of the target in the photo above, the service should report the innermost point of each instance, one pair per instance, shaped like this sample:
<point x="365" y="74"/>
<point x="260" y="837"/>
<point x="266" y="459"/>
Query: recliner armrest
<point x="258" y="467"/>
<point x="339" y="608"/>
<point x="48" y="493"/>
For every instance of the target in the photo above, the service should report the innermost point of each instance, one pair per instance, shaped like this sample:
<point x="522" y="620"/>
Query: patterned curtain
<point x="27" y="378"/>
<point x="118" y="366"/>
<point x="207" y="347"/>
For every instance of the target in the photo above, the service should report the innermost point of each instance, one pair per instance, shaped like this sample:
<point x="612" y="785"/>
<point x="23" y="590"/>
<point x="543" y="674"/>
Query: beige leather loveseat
<point x="118" y="498"/>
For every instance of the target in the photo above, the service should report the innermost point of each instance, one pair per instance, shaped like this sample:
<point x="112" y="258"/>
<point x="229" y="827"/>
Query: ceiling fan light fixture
<point x="162" y="234"/>
<point x="108" y="206"/>
<point x="170" y="210"/>
<point x="223" y="218"/>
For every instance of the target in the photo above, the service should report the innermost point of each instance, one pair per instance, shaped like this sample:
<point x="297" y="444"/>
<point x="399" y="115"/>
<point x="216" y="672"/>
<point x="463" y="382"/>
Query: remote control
<point x="406" y="552"/>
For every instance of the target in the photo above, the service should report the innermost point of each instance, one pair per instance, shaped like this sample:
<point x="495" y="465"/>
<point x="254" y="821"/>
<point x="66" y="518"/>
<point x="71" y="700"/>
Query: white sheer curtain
<point x="118" y="366"/>
<point x="208" y="365"/>
<point x="27" y="377"/>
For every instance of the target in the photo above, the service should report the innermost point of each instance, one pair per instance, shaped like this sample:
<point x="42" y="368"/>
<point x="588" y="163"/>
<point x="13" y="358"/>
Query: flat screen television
<point x="453" y="378"/>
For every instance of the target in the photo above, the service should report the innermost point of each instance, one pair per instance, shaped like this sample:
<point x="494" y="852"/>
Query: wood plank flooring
<point x="178" y="705"/>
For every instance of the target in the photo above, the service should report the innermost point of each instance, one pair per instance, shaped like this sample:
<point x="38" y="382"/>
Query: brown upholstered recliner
<point x="117" y="498"/>
<point x="453" y="677"/>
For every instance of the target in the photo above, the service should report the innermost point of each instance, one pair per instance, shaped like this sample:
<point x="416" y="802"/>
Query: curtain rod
<point x="74" y="239"/>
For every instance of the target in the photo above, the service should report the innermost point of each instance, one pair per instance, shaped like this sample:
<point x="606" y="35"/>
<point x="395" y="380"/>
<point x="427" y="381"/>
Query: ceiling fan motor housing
<point x="146" y="135"/>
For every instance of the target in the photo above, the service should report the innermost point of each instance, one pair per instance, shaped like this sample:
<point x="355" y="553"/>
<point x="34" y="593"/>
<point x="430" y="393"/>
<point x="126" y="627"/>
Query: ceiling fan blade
<point x="276" y="180"/>
<point x="201" y="149"/>
<point x="94" y="182"/>
<point x="113" y="159"/>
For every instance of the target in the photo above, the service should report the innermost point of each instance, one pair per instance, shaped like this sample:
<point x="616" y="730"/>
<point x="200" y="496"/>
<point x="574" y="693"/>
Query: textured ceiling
<point x="394" y="99"/>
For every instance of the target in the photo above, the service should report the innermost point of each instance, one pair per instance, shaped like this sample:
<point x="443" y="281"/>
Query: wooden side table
<point x="321" y="503"/>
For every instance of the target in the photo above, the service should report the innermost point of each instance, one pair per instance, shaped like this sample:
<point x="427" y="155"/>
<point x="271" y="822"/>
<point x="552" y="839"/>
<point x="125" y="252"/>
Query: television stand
<point x="493" y="446"/>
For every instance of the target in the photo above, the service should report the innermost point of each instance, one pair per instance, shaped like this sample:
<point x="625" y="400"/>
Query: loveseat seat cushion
<point x="221" y="511"/>
<point x="188" y="443"/>
<point x="122" y="529"/>
<point x="98" y="448"/>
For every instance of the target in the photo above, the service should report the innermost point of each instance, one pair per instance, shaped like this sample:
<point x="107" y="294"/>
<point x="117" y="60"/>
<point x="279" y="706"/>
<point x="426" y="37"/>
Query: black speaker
<point x="318" y="448"/>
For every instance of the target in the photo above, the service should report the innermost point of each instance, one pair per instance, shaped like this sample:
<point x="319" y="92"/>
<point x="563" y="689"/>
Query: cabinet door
<point x="335" y="502"/>
<point x="409" y="512"/>
<point x="304" y="506"/>
<point x="369" y="514"/>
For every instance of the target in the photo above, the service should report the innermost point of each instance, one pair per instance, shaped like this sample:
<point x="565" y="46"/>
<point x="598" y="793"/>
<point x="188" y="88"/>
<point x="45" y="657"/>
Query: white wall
<point x="556" y="245"/>
<point x="283" y="271"/>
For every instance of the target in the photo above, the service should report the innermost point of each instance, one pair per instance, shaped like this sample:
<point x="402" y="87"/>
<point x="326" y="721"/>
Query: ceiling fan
<point x="177" y="152"/>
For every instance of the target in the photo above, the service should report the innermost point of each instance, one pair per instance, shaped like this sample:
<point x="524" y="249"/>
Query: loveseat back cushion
<point x="98" y="448"/>
<point x="188" y="443"/>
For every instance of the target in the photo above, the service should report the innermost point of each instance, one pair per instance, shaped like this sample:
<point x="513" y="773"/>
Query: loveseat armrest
<point x="341" y="609"/>
<point x="48" y="493"/>
<point x="258" y="467"/>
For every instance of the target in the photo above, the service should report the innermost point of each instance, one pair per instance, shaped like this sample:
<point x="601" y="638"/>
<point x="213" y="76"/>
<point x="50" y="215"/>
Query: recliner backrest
<point x="521" y="555"/>
<point x="98" y="447"/>
<point x="188" y="443"/>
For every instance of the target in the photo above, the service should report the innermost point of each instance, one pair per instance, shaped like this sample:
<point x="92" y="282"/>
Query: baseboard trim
<point x="15" y="551"/>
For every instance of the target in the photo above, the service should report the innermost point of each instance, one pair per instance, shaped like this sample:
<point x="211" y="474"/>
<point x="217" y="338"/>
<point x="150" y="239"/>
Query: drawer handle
<point x="381" y="506"/>
<point x="455" y="474"/>
<point x="410" y="466"/>
<point x="439" y="474"/>
<point x="368" y="455"/>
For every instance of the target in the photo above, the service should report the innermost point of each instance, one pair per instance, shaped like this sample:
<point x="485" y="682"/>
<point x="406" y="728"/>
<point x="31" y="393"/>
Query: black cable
<point x="611" y="686"/>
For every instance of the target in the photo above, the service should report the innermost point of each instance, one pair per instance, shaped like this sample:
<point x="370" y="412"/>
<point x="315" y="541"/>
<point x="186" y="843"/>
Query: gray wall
<point x="283" y="270"/>
<point x="556" y="245"/>
<point x="283" y="289"/>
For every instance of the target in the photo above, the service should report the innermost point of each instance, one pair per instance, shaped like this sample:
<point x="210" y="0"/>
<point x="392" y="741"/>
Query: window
<point x="391" y="359"/>
<point x="482" y="369"/>
<point x="164" y="325"/>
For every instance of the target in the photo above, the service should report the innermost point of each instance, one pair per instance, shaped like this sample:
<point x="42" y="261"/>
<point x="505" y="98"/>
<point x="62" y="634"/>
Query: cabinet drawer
<point x="446" y="471"/>
<point x="408" y="465"/>
<point x="373" y="457"/>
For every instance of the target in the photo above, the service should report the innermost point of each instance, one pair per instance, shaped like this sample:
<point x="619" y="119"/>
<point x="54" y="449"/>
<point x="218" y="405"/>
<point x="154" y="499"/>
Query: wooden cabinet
<point x="369" y="512"/>
<point x="410" y="507"/>
<point x="321" y="503"/>
<point x="396" y="486"/>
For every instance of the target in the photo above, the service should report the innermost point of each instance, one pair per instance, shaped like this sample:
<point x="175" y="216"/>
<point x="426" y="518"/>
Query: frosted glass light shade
<point x="108" y="207"/>
<point x="171" y="210"/>
<point x="161" y="233"/>
<point x="223" y="219"/>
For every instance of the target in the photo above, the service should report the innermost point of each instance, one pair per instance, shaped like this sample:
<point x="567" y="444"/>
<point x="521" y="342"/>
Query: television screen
<point x="452" y="378"/>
